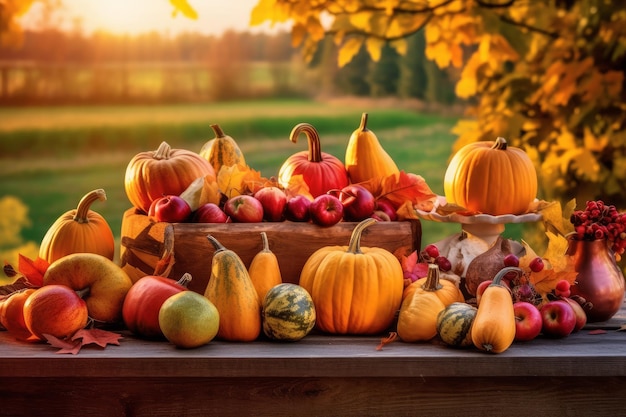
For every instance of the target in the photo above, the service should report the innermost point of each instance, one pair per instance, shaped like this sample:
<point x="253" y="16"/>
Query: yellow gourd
<point x="231" y="290"/>
<point x="222" y="150"/>
<point x="79" y="230"/>
<point x="417" y="320"/>
<point x="493" y="329"/>
<point x="365" y="157"/>
<point x="264" y="270"/>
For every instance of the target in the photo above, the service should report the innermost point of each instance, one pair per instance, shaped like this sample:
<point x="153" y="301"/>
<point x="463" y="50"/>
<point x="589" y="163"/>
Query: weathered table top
<point x="588" y="352"/>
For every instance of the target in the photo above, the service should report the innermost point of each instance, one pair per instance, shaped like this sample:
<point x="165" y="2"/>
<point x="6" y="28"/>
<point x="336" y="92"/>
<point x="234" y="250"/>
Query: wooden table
<point x="583" y="374"/>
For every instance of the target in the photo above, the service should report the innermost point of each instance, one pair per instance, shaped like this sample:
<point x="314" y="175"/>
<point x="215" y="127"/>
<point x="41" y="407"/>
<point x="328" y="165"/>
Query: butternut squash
<point x="493" y="329"/>
<point x="231" y="290"/>
<point x="264" y="270"/>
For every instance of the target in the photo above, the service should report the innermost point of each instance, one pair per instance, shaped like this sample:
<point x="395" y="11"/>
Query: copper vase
<point x="600" y="281"/>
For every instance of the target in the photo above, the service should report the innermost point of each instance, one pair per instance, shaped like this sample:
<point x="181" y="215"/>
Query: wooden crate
<point x="142" y="243"/>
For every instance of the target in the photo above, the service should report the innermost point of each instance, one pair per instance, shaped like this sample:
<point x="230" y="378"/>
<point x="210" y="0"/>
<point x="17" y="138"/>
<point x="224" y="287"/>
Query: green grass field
<point x="50" y="157"/>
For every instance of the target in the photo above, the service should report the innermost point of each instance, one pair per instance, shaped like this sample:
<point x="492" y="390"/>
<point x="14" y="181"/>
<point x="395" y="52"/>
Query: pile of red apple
<point x="557" y="318"/>
<point x="352" y="203"/>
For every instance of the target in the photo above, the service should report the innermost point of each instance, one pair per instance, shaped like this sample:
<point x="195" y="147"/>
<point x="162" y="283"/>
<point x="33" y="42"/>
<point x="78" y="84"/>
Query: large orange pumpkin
<point x="79" y="230"/>
<point x="166" y="171"/>
<point x="491" y="178"/>
<point x="320" y="171"/>
<point x="355" y="290"/>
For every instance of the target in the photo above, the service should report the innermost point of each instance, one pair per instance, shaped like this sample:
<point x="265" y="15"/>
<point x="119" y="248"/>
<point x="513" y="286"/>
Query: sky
<point x="137" y="16"/>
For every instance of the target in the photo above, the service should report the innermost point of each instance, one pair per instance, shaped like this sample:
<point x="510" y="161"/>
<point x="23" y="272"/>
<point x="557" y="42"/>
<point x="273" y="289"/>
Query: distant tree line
<point x="57" y="66"/>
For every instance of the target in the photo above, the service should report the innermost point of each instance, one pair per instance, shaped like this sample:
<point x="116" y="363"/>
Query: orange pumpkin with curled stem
<point x="321" y="171"/>
<point x="166" y="171"/>
<point x="79" y="230"/>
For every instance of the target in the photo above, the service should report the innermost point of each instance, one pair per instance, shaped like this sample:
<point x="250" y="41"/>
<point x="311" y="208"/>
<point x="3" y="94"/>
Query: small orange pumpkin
<point x="356" y="290"/>
<point x="491" y="178"/>
<point x="79" y="230"/>
<point x="321" y="171"/>
<point x="166" y="171"/>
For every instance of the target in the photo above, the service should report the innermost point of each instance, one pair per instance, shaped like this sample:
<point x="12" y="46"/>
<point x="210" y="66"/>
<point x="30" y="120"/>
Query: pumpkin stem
<point x="355" y="239"/>
<point x="219" y="133"/>
<point x="432" y="279"/>
<point x="163" y="152"/>
<point x="363" y="125"/>
<point x="185" y="279"/>
<point x="497" y="280"/>
<point x="216" y="244"/>
<point x="500" y="144"/>
<point x="82" y="211"/>
<point x="315" y="150"/>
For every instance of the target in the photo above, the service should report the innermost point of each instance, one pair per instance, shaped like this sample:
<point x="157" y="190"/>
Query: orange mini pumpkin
<point x="79" y="230"/>
<point x="166" y="171"/>
<point x="491" y="178"/>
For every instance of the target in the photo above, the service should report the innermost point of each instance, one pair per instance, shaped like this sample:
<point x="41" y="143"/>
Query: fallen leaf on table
<point x="96" y="336"/>
<point x="64" y="346"/>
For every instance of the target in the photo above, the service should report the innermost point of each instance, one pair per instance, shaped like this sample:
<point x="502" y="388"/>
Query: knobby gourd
<point x="356" y="290"/>
<point x="222" y="150"/>
<point x="321" y="171"/>
<point x="166" y="171"/>
<point x="493" y="329"/>
<point x="491" y="178"/>
<point x="264" y="269"/>
<point x="365" y="157"/>
<point x="417" y="320"/>
<point x="79" y="230"/>
<point x="231" y="290"/>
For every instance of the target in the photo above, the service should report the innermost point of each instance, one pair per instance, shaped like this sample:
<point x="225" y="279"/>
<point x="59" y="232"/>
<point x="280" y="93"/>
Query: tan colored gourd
<point x="365" y="157"/>
<point x="493" y="329"/>
<point x="417" y="320"/>
<point x="222" y="150"/>
<point x="264" y="270"/>
<point x="231" y="290"/>
<point x="79" y="230"/>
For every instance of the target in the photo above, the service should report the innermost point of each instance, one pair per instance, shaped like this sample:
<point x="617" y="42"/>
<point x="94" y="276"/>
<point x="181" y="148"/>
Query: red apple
<point x="244" y="209"/>
<point x="143" y="301"/>
<point x="358" y="202"/>
<point x="210" y="213"/>
<point x="170" y="208"/>
<point x="387" y="207"/>
<point x="326" y="210"/>
<point x="297" y="209"/>
<point x="581" y="316"/>
<point x="481" y="289"/>
<point x="559" y="318"/>
<point x="528" y="321"/>
<point x="55" y="310"/>
<point x="274" y="201"/>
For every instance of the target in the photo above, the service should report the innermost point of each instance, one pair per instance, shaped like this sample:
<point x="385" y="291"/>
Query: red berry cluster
<point x="601" y="221"/>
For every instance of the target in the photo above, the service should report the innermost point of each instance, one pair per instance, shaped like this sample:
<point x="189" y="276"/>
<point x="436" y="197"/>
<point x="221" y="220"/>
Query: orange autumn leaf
<point x="239" y="179"/>
<point x="33" y="270"/>
<point x="98" y="337"/>
<point x="559" y="267"/>
<point x="403" y="187"/>
<point x="297" y="186"/>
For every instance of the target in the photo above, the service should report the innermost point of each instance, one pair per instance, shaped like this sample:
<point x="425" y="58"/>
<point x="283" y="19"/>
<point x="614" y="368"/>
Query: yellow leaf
<point x="185" y="8"/>
<point x="361" y="20"/>
<point x="467" y="85"/>
<point x="593" y="143"/>
<point x="374" y="46"/>
<point x="400" y="45"/>
<point x="262" y="11"/>
<point x="440" y="53"/>
<point x="315" y="28"/>
<point x="349" y="49"/>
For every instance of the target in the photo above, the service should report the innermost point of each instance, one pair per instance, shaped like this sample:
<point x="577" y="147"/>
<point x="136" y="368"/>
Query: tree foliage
<point x="547" y="75"/>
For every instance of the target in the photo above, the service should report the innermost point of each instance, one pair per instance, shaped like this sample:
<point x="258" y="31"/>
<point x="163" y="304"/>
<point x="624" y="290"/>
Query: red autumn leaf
<point x="64" y="346"/>
<point x="33" y="270"/>
<point x="401" y="188"/>
<point x="99" y="337"/>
